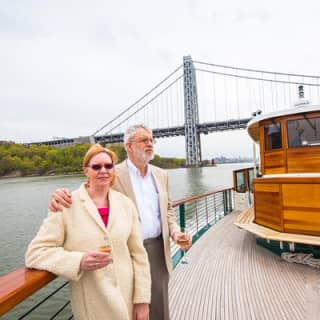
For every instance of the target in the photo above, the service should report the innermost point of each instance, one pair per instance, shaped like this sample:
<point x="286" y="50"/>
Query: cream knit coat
<point x="107" y="293"/>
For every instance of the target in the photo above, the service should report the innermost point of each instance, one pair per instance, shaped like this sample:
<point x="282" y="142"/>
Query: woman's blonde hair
<point x="96" y="149"/>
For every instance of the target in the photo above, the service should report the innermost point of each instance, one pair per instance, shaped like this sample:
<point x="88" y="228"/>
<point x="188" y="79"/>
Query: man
<point x="147" y="186"/>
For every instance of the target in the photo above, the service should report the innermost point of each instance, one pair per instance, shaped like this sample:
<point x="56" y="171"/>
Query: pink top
<point x="104" y="214"/>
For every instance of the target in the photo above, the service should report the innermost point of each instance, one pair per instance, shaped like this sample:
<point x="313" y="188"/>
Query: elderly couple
<point x="134" y="218"/>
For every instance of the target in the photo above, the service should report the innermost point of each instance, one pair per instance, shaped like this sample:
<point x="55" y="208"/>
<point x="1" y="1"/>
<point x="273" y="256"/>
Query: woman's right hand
<point x="95" y="260"/>
<point x="59" y="199"/>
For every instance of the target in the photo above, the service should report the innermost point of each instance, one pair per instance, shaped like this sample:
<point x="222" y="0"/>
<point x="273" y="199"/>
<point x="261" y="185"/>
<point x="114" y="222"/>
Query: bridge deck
<point x="230" y="277"/>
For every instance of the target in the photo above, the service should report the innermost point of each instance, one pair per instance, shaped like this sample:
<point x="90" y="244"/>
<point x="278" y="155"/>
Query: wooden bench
<point x="245" y="217"/>
<point x="245" y="221"/>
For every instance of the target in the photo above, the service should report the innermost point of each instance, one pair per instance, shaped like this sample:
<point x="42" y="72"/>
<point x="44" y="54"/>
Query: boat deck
<point x="229" y="277"/>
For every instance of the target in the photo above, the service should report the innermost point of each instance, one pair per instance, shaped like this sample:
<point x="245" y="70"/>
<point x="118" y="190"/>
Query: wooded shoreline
<point x="18" y="160"/>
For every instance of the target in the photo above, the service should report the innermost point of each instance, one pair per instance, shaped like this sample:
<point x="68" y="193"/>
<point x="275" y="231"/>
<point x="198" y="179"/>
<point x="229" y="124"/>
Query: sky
<point x="69" y="66"/>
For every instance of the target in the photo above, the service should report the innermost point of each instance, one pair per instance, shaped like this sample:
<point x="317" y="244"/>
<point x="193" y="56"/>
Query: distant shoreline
<point x="43" y="175"/>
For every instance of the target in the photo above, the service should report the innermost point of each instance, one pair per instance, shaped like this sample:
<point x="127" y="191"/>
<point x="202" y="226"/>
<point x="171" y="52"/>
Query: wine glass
<point x="106" y="246"/>
<point x="183" y="240"/>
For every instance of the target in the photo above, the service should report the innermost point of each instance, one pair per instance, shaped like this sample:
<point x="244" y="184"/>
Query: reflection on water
<point x="186" y="182"/>
<point x="195" y="181"/>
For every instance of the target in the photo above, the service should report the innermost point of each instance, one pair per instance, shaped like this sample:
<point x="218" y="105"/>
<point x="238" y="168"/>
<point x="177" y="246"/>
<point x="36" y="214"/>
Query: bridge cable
<point x="214" y="98"/>
<point x="272" y="95"/>
<point x="132" y="114"/>
<point x="258" y="71"/>
<point x="256" y="78"/>
<point x="237" y="96"/>
<point x="226" y="95"/>
<point x="132" y="105"/>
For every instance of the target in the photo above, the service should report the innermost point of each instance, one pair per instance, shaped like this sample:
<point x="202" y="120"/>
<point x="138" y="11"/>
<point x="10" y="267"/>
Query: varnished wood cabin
<point x="287" y="195"/>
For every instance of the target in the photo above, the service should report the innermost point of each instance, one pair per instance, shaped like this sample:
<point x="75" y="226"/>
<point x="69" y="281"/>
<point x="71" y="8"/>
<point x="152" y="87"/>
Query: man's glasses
<point x="97" y="167"/>
<point x="145" y="140"/>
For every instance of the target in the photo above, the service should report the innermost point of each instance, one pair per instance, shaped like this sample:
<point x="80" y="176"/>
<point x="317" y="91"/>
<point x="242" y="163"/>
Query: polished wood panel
<point x="303" y="159"/>
<point x="301" y="208"/>
<point x="298" y="195"/>
<point x="274" y="170"/>
<point x="275" y="161"/>
<point x="288" y="204"/>
<point x="16" y="286"/>
<point x="268" y="207"/>
<point x="267" y="187"/>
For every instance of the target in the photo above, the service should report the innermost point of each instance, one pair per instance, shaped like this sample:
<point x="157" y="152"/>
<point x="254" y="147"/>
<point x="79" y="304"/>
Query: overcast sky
<point x="68" y="67"/>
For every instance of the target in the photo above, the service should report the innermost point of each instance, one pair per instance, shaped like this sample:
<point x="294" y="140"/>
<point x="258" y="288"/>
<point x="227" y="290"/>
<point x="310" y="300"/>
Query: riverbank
<point x="17" y="160"/>
<point x="65" y="174"/>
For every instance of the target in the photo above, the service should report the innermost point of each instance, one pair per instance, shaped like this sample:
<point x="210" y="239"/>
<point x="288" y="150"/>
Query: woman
<point x="114" y="285"/>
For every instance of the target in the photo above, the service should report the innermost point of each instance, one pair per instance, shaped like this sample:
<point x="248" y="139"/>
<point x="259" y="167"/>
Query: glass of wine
<point x="182" y="241"/>
<point x="106" y="247"/>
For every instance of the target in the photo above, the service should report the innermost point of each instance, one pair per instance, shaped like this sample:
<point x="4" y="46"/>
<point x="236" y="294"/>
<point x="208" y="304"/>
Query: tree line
<point x="28" y="160"/>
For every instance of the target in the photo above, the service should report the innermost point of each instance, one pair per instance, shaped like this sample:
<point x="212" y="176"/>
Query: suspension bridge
<point x="200" y="98"/>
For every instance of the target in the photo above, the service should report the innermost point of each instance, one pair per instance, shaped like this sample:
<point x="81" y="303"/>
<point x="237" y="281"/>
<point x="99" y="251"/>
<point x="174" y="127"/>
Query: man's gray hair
<point x="131" y="131"/>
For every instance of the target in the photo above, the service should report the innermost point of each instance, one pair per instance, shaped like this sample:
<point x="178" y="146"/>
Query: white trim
<point x="294" y="110"/>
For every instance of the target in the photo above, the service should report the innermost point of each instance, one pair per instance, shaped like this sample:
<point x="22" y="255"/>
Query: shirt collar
<point x="135" y="170"/>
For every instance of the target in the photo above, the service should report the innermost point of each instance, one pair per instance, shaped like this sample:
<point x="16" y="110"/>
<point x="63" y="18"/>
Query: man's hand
<point x="141" y="311"/>
<point x="177" y="235"/>
<point x="59" y="199"/>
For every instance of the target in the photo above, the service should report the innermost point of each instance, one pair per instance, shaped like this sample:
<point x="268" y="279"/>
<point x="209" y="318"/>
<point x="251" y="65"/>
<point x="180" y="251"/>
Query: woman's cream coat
<point x="107" y="293"/>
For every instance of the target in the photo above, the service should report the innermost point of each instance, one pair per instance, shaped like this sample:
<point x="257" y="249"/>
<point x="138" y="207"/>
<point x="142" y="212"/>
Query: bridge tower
<point x="191" y="113"/>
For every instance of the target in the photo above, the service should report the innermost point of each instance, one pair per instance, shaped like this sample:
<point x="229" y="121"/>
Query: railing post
<point x="182" y="217"/>
<point x="215" y="208"/>
<point x="197" y="217"/>
<point x="230" y="200"/>
<point x="224" y="197"/>
<point x="207" y="213"/>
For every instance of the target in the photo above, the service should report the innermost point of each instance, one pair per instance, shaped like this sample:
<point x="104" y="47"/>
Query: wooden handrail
<point x="200" y="196"/>
<point x="18" y="285"/>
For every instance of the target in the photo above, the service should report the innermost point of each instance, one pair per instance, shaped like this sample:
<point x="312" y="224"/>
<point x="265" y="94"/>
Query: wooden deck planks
<point x="230" y="277"/>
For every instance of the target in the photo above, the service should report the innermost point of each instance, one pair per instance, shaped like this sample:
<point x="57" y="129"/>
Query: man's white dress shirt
<point x="147" y="199"/>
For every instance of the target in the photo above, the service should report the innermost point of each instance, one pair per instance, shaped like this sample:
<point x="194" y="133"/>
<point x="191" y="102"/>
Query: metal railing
<point x="197" y="213"/>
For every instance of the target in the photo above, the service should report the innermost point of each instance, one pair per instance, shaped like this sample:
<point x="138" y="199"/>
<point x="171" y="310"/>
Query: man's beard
<point x="142" y="156"/>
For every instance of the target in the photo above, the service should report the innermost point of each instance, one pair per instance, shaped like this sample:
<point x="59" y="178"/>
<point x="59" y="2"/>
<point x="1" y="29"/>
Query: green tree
<point x="120" y="151"/>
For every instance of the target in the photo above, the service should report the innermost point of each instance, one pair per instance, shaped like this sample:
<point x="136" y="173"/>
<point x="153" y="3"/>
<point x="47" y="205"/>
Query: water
<point x="24" y="203"/>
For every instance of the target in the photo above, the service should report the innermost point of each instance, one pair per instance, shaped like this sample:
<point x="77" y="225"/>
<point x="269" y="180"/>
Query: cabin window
<point x="303" y="132"/>
<point x="243" y="180"/>
<point x="272" y="136"/>
<point x="240" y="182"/>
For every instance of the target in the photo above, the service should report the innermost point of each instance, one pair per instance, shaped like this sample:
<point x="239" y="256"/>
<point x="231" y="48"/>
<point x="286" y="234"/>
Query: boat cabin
<point x="287" y="195"/>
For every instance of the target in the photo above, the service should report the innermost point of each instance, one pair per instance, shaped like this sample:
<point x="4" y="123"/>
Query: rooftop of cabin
<point x="303" y="112"/>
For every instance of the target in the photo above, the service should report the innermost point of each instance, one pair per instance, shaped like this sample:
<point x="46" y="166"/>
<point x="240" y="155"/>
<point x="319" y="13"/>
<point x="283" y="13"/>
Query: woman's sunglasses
<point x="97" y="167"/>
